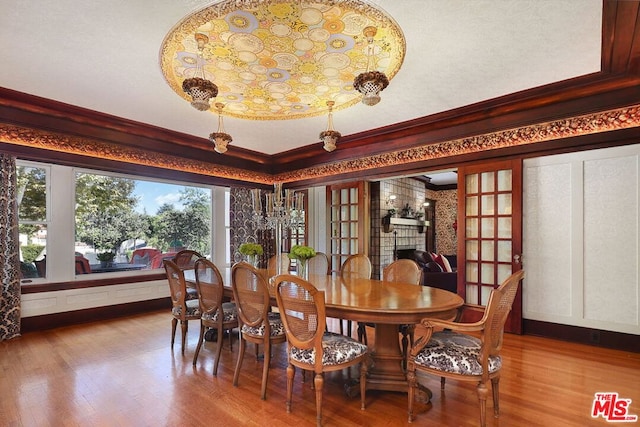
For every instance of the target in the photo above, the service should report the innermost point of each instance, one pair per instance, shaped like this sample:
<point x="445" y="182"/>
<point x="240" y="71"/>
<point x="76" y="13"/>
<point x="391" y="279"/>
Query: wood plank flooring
<point x="123" y="372"/>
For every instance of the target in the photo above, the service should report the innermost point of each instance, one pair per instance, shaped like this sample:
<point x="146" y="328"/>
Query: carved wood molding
<point x="89" y="147"/>
<point x="606" y="121"/>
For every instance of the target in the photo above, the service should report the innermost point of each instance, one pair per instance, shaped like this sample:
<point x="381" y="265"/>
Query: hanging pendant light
<point x="200" y="89"/>
<point x="370" y="83"/>
<point x="330" y="137"/>
<point x="220" y="138"/>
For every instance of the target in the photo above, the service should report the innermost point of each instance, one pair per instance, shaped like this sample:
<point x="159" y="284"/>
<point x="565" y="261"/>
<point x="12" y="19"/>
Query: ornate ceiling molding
<point x="58" y="142"/>
<point x="607" y="121"/>
<point x="622" y="118"/>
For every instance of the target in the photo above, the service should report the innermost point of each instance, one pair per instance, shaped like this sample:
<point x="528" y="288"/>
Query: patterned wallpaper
<point x="242" y="228"/>
<point x="446" y="212"/>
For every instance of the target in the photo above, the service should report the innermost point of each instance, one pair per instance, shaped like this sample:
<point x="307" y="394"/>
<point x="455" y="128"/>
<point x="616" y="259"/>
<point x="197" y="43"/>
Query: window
<point x="126" y="224"/>
<point x="75" y="223"/>
<point x="33" y="219"/>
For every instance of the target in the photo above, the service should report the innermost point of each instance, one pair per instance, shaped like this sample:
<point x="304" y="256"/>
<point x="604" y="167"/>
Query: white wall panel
<point x="581" y="239"/>
<point x="547" y="232"/>
<point x="78" y="299"/>
<point x="611" y="240"/>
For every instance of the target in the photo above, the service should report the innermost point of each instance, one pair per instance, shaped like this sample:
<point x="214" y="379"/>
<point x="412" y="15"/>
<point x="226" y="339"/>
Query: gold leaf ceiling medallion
<point x="279" y="60"/>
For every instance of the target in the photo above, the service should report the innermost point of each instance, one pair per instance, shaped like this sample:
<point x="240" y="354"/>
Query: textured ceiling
<point x="105" y="56"/>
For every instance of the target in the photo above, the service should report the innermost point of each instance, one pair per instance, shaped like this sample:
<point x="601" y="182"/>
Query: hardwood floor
<point x="123" y="373"/>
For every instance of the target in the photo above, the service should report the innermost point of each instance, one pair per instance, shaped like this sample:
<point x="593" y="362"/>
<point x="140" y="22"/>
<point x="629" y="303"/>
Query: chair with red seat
<point x="82" y="265"/>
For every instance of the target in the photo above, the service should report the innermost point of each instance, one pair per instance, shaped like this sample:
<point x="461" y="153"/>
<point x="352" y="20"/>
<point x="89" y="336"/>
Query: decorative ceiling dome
<point x="277" y="60"/>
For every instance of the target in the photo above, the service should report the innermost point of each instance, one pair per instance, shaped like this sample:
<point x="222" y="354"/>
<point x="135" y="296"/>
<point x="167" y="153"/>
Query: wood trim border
<point x="577" y="334"/>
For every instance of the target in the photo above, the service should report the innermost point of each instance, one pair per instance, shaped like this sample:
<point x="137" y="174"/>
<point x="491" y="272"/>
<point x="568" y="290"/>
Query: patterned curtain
<point x="9" y="257"/>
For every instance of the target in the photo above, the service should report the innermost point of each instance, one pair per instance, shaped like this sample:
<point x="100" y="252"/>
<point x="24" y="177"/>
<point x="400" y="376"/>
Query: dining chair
<point x="257" y="323"/>
<point x="453" y="353"/>
<point x="182" y="308"/>
<point x="214" y="314"/>
<point x="186" y="258"/>
<point x="310" y="346"/>
<point x="399" y="271"/>
<point x="283" y="260"/>
<point x="357" y="266"/>
<point x="319" y="264"/>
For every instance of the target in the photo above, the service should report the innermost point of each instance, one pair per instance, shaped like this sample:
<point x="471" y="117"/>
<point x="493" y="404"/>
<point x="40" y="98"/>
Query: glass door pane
<point x="492" y="234"/>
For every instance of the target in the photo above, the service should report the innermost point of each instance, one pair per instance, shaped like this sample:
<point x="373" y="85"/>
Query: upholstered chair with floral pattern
<point x="182" y="308"/>
<point x="258" y="323"/>
<point x="310" y="346"/>
<point x="214" y="313"/>
<point x="465" y="351"/>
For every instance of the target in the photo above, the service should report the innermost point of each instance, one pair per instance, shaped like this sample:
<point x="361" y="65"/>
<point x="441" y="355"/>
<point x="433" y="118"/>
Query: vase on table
<point x="301" y="269"/>
<point x="253" y="260"/>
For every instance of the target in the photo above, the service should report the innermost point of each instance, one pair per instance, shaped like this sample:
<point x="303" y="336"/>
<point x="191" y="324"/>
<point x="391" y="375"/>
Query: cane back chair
<point x="453" y="353"/>
<point x="214" y="313"/>
<point x="258" y="323"/>
<point x="310" y="347"/>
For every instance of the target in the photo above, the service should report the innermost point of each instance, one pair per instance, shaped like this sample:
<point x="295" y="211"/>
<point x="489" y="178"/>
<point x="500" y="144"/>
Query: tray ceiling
<point x="104" y="56"/>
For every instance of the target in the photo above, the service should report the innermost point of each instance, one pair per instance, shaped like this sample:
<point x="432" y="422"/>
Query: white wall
<point x="581" y="240"/>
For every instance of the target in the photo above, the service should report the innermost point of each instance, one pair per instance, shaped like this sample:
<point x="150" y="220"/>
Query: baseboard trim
<point x="68" y="318"/>
<point x="595" y="337"/>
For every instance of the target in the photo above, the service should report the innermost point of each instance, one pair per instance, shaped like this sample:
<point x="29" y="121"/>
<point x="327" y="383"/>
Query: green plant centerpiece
<point x="106" y="258"/>
<point x="252" y="251"/>
<point x="302" y="254"/>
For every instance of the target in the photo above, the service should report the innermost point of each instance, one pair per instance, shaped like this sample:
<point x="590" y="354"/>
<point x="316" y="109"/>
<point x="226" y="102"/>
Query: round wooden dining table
<point x="387" y="305"/>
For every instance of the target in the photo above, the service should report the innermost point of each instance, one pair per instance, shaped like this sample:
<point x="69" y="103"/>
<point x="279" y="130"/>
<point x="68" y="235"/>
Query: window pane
<point x="504" y="180"/>
<point x="504" y="228"/>
<point x="471" y="183"/>
<point x="354" y="229"/>
<point x="472" y="228"/>
<point x="488" y="185"/>
<point x="504" y="204"/>
<point x="472" y="250"/>
<point x="32" y="220"/>
<point x="504" y="250"/>
<point x="488" y="249"/>
<point x="472" y="272"/>
<point x="124" y="224"/>
<point x="472" y="206"/>
<point x="488" y="230"/>
<point x="32" y="193"/>
<point x="487" y="274"/>
<point x="33" y="251"/>
<point x="487" y="205"/>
